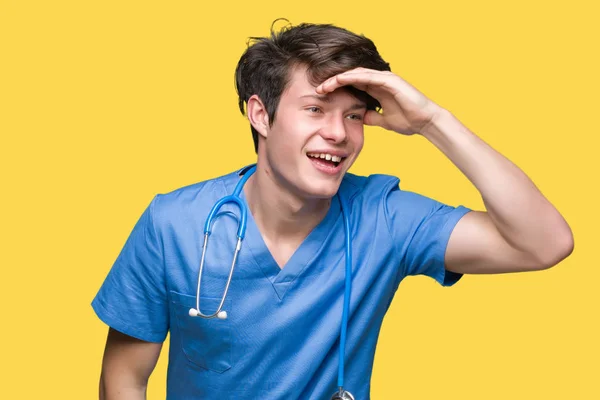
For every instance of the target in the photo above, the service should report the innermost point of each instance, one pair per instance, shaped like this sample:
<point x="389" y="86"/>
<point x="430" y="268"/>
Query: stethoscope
<point x="234" y="198"/>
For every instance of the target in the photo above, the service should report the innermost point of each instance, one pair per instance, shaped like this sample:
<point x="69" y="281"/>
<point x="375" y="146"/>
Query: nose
<point x="335" y="130"/>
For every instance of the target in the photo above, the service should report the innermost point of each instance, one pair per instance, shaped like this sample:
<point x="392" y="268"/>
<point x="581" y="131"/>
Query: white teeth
<point x="325" y="156"/>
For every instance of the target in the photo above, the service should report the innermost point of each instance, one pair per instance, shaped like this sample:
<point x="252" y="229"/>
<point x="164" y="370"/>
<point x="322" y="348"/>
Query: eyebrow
<point x="326" y="99"/>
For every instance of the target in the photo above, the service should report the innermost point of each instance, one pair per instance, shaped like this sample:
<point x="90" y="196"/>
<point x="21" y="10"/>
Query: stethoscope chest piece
<point x="342" y="395"/>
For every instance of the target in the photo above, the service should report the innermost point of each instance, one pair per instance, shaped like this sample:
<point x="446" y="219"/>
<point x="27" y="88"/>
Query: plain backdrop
<point x="103" y="104"/>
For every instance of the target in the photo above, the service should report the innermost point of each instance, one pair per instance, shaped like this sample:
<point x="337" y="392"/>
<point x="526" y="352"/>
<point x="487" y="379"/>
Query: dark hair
<point x="324" y="49"/>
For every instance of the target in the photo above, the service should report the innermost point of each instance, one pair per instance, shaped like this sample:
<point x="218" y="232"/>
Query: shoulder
<point x="191" y="198"/>
<point x="385" y="190"/>
<point x="368" y="187"/>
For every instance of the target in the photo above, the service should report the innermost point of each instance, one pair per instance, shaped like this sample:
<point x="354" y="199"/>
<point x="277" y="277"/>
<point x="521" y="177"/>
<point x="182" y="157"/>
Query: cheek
<point x="282" y="143"/>
<point x="356" y="134"/>
<point x="291" y="132"/>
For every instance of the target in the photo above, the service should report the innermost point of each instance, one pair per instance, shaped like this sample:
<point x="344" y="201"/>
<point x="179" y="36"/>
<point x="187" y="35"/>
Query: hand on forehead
<point x="366" y="80"/>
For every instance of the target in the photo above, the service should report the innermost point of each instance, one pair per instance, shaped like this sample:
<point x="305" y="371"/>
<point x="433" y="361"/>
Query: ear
<point x="258" y="116"/>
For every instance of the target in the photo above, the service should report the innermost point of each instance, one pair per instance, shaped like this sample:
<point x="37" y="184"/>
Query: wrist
<point x="435" y="126"/>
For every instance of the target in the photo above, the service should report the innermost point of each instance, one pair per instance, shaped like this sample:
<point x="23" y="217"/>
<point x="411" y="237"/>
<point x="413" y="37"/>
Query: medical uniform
<point x="281" y="337"/>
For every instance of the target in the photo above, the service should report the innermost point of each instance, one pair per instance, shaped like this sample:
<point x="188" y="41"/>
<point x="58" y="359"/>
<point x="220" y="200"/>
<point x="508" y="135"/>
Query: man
<point x="308" y="91"/>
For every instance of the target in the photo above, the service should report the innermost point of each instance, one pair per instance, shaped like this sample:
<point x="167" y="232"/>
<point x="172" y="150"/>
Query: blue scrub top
<point x="281" y="337"/>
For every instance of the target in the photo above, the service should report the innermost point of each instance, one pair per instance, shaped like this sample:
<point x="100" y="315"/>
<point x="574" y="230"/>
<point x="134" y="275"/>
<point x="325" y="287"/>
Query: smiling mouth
<point x="327" y="159"/>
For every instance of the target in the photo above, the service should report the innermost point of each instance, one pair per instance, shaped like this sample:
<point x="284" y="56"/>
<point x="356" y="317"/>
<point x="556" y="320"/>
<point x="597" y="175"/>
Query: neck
<point x="278" y="212"/>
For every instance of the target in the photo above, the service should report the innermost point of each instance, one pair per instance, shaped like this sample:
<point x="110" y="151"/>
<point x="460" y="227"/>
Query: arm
<point x="521" y="230"/>
<point x="126" y="367"/>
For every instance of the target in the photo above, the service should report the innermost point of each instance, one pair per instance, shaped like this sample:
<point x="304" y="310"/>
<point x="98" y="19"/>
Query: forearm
<point x="121" y="388"/>
<point x="126" y="367"/>
<point x="520" y="212"/>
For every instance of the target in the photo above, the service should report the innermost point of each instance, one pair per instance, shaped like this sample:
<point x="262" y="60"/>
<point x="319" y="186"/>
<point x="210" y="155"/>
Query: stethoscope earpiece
<point x="195" y="313"/>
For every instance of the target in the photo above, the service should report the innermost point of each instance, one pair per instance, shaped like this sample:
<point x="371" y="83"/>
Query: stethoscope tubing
<point x="241" y="232"/>
<point x="347" y="291"/>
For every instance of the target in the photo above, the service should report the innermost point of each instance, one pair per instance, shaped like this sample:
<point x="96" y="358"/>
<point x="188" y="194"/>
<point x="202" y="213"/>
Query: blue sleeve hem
<point x="116" y="323"/>
<point x="445" y="277"/>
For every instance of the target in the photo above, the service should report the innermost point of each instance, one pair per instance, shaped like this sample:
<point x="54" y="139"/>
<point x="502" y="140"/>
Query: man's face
<point x="308" y="125"/>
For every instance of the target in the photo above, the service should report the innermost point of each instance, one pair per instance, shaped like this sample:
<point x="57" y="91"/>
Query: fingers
<point x="373" y="118"/>
<point x="361" y="78"/>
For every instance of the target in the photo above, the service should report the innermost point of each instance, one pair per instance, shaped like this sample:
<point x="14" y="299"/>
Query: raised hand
<point x="404" y="109"/>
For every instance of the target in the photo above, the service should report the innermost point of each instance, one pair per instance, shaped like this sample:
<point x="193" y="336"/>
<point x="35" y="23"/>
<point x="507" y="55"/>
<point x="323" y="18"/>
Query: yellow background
<point x="104" y="104"/>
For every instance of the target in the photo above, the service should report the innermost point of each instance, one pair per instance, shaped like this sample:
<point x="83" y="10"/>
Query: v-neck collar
<point x="305" y="254"/>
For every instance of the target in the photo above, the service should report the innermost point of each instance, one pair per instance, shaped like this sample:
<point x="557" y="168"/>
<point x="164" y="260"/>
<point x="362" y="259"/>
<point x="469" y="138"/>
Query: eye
<point x="356" y="117"/>
<point x="314" y="109"/>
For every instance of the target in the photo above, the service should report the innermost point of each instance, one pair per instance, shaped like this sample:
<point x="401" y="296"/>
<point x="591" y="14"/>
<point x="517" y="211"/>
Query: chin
<point x="322" y="190"/>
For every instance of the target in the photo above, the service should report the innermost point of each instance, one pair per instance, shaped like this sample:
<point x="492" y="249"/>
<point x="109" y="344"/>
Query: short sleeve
<point x="421" y="229"/>
<point x="132" y="299"/>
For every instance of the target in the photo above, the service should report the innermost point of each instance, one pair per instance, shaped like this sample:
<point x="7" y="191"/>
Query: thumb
<point x="373" y="118"/>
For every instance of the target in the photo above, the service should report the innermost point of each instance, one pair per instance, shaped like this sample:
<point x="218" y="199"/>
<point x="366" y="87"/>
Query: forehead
<point x="298" y="83"/>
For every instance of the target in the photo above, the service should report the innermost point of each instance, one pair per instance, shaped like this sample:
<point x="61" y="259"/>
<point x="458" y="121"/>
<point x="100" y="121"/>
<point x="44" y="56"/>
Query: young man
<point x="308" y="92"/>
